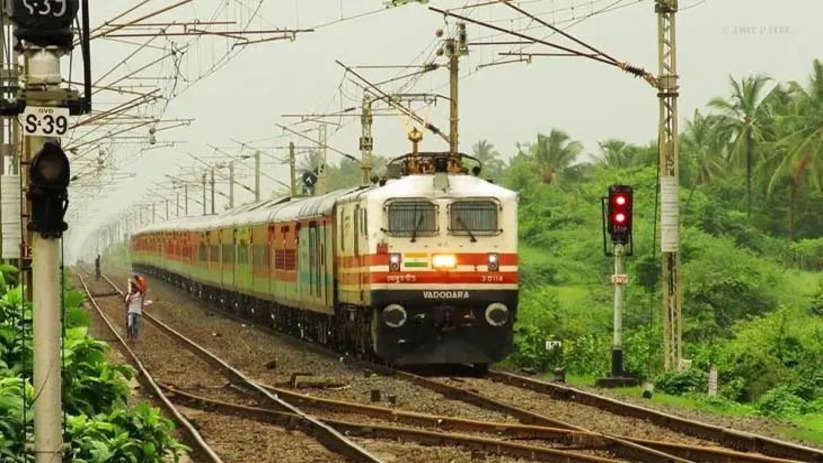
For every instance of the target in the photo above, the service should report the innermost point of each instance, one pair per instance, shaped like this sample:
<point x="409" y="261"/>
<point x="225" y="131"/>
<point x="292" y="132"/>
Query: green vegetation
<point x="752" y="250"/>
<point x="99" y="425"/>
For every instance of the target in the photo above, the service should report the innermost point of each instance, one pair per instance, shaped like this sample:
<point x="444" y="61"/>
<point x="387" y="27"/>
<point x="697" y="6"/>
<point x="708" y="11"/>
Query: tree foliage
<point x="751" y="249"/>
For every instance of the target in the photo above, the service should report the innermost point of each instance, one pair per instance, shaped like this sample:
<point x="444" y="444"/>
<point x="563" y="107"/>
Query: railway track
<point x="743" y="441"/>
<point x="542" y="427"/>
<point x="422" y="433"/>
<point x="327" y="436"/>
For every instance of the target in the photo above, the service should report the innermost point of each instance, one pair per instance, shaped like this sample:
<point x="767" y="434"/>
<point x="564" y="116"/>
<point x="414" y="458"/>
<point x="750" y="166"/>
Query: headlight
<point x="394" y="262"/>
<point x="494" y="262"/>
<point x="394" y="316"/>
<point x="497" y="314"/>
<point x="443" y="261"/>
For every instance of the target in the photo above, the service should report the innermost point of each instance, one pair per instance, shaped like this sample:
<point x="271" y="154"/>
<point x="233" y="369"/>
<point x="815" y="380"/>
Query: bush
<point x="530" y="350"/>
<point x="682" y="382"/>
<point x="781" y="402"/>
<point x="138" y="435"/>
<point x="99" y="427"/>
<point x="808" y="254"/>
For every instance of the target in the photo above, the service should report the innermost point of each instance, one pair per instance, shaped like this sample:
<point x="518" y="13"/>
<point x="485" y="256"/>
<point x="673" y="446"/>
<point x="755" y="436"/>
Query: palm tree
<point x="742" y="115"/>
<point x="617" y="154"/>
<point x="799" y="151"/>
<point x="554" y="154"/>
<point x="702" y="144"/>
<point x="488" y="155"/>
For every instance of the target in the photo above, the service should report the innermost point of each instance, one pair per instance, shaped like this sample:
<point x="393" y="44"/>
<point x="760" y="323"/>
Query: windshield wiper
<point x="466" y="227"/>
<point x="416" y="227"/>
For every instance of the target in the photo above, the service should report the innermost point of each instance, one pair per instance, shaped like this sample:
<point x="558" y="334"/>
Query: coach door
<point x="312" y="283"/>
<point x="358" y="259"/>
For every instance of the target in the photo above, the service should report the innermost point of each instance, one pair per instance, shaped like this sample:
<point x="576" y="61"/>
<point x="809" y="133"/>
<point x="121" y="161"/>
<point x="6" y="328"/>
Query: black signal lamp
<point x="620" y="213"/>
<point x="50" y="175"/>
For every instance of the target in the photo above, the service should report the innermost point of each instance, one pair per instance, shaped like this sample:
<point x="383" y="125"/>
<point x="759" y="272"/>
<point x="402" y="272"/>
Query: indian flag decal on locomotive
<point x="416" y="260"/>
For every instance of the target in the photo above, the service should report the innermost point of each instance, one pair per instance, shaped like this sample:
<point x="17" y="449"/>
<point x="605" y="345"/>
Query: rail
<point x="148" y="381"/>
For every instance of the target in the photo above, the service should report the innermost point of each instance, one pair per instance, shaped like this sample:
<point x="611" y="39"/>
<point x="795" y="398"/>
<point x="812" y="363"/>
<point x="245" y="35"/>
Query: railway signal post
<point x="43" y="32"/>
<point x="618" y="219"/>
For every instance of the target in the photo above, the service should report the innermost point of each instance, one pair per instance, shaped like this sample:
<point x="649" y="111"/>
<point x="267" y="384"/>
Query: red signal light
<point x="620" y="213"/>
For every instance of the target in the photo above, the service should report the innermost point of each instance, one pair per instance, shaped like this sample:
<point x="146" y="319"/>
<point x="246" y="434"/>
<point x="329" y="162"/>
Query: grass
<point x="808" y="428"/>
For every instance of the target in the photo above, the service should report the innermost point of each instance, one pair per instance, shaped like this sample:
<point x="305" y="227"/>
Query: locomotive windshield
<point x="412" y="217"/>
<point x="473" y="217"/>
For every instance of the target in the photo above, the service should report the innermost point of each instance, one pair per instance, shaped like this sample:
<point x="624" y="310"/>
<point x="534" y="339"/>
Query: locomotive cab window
<point x="476" y="216"/>
<point x="412" y="217"/>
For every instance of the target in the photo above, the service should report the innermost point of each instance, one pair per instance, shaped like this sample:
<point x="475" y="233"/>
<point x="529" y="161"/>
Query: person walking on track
<point x="97" y="267"/>
<point x="134" y="310"/>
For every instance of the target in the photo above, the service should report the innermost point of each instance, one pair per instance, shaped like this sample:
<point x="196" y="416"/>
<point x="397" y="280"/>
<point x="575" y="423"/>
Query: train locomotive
<point x="420" y="269"/>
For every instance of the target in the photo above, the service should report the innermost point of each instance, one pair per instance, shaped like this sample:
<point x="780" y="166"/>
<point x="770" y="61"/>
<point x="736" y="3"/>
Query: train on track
<point x="420" y="269"/>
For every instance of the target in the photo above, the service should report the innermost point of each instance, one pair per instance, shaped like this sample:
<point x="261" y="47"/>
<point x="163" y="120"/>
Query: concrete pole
<point x="668" y="91"/>
<point x="366" y="141"/>
<point x="153" y="213"/>
<point x="186" y="199"/>
<point x="204" y="195"/>
<point x="292" y="170"/>
<point x="257" y="176"/>
<point x="177" y="209"/>
<point x="212" y="191"/>
<point x="43" y="75"/>
<point x="619" y="300"/>
<point x="167" y="210"/>
<point x="231" y="185"/>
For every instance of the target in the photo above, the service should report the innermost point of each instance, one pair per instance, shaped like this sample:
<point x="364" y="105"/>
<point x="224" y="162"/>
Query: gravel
<point x="273" y="359"/>
<point x="585" y="416"/>
<point x="252" y="351"/>
<point x="234" y="439"/>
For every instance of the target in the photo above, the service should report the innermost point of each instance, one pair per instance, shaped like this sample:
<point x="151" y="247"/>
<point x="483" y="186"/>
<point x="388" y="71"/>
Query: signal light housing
<point x="50" y="175"/>
<point x="620" y="208"/>
<point x="45" y="22"/>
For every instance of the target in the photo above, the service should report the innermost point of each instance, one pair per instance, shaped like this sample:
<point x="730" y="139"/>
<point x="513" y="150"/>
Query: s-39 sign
<point x="44" y="121"/>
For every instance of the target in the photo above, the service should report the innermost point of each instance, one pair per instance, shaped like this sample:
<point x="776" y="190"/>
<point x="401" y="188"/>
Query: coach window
<point x="243" y="250"/>
<point x="412" y="217"/>
<point x="474" y="217"/>
<point x="204" y="257"/>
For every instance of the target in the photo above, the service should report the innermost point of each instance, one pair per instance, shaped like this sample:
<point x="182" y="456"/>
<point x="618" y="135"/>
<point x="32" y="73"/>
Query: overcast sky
<point x="504" y="104"/>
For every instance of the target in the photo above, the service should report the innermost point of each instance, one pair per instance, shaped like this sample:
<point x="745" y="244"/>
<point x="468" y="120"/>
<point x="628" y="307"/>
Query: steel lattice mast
<point x="668" y="92"/>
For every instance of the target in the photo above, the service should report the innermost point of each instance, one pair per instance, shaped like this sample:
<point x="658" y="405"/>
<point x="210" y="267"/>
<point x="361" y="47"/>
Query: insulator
<point x="636" y="71"/>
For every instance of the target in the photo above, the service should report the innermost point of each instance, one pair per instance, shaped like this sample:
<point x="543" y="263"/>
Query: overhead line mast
<point x="668" y="92"/>
<point x="666" y="84"/>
